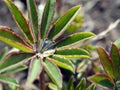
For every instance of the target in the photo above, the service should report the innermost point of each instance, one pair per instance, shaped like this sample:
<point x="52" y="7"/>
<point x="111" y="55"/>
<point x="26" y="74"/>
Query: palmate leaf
<point x="3" y="53"/>
<point x="34" y="70"/>
<point x="20" y="20"/>
<point x="106" y="62"/>
<point x="47" y="17"/>
<point x="102" y="80"/>
<point x="81" y="85"/>
<point x="54" y="73"/>
<point x="33" y="16"/>
<point x="73" y="53"/>
<point x="116" y="60"/>
<point x="74" y="38"/>
<point x="62" y="62"/>
<point x="61" y="24"/>
<point x="8" y="80"/>
<point x="13" y="39"/>
<point x="13" y="60"/>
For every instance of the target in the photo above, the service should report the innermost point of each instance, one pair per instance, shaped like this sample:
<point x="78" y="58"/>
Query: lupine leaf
<point x="47" y="17"/>
<point x="3" y="53"/>
<point x="117" y="43"/>
<point x="61" y="24"/>
<point x="52" y="86"/>
<point x="13" y="60"/>
<point x="81" y="85"/>
<point x="8" y="80"/>
<point x="54" y="73"/>
<point x="34" y="70"/>
<point x="13" y="39"/>
<point x="74" y="38"/>
<point x="102" y="80"/>
<point x="116" y="60"/>
<point x="70" y="85"/>
<point x="33" y="16"/>
<point x="73" y="53"/>
<point x="14" y="70"/>
<point x="62" y="62"/>
<point x="106" y="62"/>
<point x="91" y="87"/>
<point x="20" y="20"/>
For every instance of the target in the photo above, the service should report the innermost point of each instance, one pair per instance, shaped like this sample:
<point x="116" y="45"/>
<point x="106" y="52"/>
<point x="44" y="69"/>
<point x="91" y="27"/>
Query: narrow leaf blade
<point x="62" y="62"/>
<point x="8" y="80"/>
<point x="116" y="60"/>
<point x="62" y="23"/>
<point x="75" y="53"/>
<point x="14" y="59"/>
<point x="20" y="20"/>
<point x="33" y="16"/>
<point x="81" y="85"/>
<point x="91" y="87"/>
<point x="16" y="69"/>
<point x="52" y="86"/>
<point x="3" y="54"/>
<point x="47" y="17"/>
<point x="102" y="80"/>
<point x="74" y="38"/>
<point x="54" y="73"/>
<point x="13" y="39"/>
<point x="34" y="70"/>
<point x="106" y="62"/>
<point x="70" y="85"/>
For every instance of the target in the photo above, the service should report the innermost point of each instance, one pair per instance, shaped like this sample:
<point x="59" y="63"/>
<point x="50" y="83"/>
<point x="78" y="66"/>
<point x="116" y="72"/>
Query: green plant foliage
<point x="52" y="86"/>
<point x="39" y="44"/>
<point x="80" y="86"/>
<point x="111" y="64"/>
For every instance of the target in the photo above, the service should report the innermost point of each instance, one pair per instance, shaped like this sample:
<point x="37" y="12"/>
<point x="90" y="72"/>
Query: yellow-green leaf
<point x="53" y="72"/>
<point x="74" y="38"/>
<point x="47" y="17"/>
<point x="20" y="20"/>
<point x="73" y="53"/>
<point x="62" y="62"/>
<point x="33" y="16"/>
<point x="13" y="39"/>
<point x="81" y="85"/>
<point x="61" y="24"/>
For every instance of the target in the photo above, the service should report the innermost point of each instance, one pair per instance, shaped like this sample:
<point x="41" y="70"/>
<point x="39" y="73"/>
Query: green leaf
<point x="8" y="80"/>
<point x="54" y="73"/>
<point x="13" y="60"/>
<point x="73" y="53"/>
<point x="91" y="87"/>
<point x="20" y="20"/>
<point x="81" y="85"/>
<point x="3" y="54"/>
<point x="34" y="70"/>
<point x="62" y="62"/>
<point x="116" y="60"/>
<point x="52" y="86"/>
<point x="14" y="70"/>
<point x="74" y="39"/>
<point x="117" y="43"/>
<point x="13" y="39"/>
<point x="33" y="16"/>
<point x="106" y="62"/>
<point x="47" y="17"/>
<point x="70" y="85"/>
<point x="61" y="24"/>
<point x="102" y="80"/>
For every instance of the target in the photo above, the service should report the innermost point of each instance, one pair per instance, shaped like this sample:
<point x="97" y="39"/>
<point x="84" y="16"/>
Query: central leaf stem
<point x="42" y="80"/>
